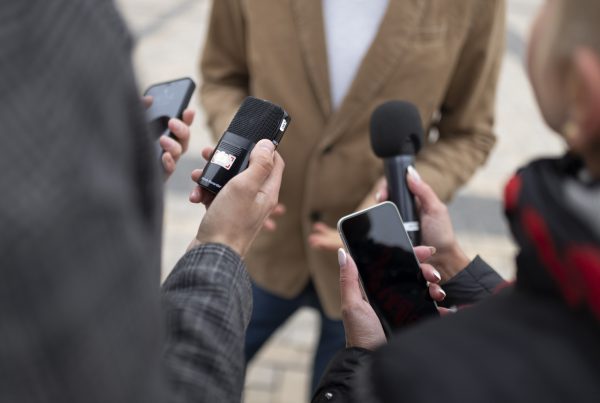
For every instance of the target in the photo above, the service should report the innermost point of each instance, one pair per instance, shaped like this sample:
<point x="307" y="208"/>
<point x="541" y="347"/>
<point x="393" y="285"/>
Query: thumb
<point x="421" y="190"/>
<point x="350" y="291"/>
<point x="261" y="165"/>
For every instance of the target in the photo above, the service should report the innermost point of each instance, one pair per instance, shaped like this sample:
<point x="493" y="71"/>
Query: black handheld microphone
<point x="255" y="120"/>
<point x="396" y="137"/>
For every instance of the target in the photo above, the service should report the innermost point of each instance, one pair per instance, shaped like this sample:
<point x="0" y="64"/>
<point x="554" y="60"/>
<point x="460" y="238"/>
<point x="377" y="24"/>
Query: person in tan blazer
<point x="444" y="56"/>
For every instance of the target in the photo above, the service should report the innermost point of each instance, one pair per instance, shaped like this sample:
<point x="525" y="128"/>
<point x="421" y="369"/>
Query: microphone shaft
<point x="395" y="173"/>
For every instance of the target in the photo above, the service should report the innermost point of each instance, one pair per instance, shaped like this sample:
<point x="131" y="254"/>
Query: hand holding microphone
<point x="240" y="183"/>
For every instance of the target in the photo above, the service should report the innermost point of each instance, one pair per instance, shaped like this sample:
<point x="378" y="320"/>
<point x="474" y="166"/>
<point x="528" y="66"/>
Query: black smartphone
<point x="169" y="101"/>
<point x="389" y="270"/>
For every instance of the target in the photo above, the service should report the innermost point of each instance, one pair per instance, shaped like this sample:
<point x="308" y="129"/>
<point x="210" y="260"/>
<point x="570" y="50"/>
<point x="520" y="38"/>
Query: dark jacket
<point x="80" y="220"/>
<point x="516" y="346"/>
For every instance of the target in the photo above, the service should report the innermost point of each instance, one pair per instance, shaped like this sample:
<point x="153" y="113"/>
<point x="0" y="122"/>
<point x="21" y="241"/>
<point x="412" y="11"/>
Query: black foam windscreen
<point x="396" y="129"/>
<point x="257" y="119"/>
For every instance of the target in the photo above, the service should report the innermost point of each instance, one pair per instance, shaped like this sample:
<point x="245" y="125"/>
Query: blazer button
<point x="315" y="216"/>
<point x="328" y="149"/>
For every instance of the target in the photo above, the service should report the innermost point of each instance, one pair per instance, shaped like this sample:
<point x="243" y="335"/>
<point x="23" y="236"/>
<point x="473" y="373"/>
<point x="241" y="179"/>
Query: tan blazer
<point x="443" y="55"/>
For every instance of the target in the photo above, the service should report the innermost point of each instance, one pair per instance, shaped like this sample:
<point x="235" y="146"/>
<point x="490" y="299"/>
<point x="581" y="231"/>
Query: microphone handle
<point x="399" y="194"/>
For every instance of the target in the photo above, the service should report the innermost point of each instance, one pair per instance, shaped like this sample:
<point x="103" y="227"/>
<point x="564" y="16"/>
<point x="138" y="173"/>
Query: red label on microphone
<point x="223" y="159"/>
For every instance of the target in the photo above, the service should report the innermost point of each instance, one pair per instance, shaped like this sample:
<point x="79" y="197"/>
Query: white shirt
<point x="350" y="28"/>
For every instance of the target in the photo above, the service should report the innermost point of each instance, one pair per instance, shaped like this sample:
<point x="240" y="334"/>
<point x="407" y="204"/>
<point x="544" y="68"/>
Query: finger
<point x="147" y="101"/>
<point x="168" y="163"/>
<point x="200" y="195"/>
<point x="422" y="191"/>
<point x="272" y="185"/>
<point x="278" y="210"/>
<point x="382" y="195"/>
<point x="188" y="116"/>
<point x="319" y="242"/>
<point x="196" y="195"/>
<point x="424" y="252"/>
<point x="322" y="228"/>
<point x="261" y="165"/>
<point x="196" y="174"/>
<point x="207" y="152"/>
<point x="430" y="273"/>
<point x="181" y="132"/>
<point x="436" y="292"/>
<point x="349" y="283"/>
<point x="445" y="311"/>
<point x="382" y="191"/>
<point x="171" y="146"/>
<point x="270" y="224"/>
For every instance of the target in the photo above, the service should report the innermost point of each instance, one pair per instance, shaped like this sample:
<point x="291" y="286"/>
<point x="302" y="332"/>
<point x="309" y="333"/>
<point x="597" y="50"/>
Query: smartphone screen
<point x="169" y="101"/>
<point x="389" y="270"/>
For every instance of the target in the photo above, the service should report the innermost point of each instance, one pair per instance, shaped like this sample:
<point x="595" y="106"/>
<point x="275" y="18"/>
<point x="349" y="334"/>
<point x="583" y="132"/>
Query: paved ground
<point x="169" y="39"/>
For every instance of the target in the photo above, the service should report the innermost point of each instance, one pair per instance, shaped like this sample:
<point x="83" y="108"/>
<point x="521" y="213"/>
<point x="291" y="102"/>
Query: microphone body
<point x="396" y="137"/>
<point x="255" y="120"/>
<point x="395" y="172"/>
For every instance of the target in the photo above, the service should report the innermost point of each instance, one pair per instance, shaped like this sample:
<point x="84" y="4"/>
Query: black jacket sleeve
<point x="341" y="376"/>
<point x="476" y="282"/>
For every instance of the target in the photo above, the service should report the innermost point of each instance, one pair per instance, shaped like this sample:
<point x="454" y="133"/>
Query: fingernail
<point x="194" y="194"/>
<point x="267" y="145"/>
<point x="414" y="174"/>
<point x="433" y="250"/>
<point x="453" y="309"/>
<point x="378" y="197"/>
<point x="342" y="257"/>
<point x="437" y="275"/>
<point x="443" y="292"/>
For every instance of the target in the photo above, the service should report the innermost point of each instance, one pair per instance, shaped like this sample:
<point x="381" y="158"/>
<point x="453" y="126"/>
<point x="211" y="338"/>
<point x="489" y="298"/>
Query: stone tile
<point x="257" y="396"/>
<point x="261" y="377"/>
<point x="293" y="388"/>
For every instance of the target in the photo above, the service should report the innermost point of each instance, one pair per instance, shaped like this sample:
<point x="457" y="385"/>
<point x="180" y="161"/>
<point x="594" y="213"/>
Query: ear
<point x="585" y="97"/>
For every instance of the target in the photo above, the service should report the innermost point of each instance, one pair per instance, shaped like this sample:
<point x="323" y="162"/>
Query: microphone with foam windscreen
<point x="255" y="120"/>
<point x="396" y="137"/>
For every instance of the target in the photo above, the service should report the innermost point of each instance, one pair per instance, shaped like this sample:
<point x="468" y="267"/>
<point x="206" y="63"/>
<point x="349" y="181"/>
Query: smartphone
<point x="389" y="270"/>
<point x="169" y="101"/>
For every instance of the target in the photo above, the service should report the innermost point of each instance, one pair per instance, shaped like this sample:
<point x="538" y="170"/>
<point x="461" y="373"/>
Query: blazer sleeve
<point x="467" y="111"/>
<point x="208" y="302"/>
<point x="223" y="65"/>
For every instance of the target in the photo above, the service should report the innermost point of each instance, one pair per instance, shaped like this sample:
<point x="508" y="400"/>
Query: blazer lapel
<point x="380" y="61"/>
<point x="308" y="17"/>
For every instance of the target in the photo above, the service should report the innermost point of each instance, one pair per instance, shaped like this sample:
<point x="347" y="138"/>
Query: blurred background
<point x="170" y="37"/>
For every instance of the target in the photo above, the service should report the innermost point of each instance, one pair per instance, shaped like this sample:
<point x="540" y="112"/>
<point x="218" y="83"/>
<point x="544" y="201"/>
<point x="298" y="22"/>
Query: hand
<point x="174" y="148"/>
<point x="235" y="215"/>
<point x="361" y="324"/>
<point x="324" y="237"/>
<point x="199" y="195"/>
<point x="436" y="226"/>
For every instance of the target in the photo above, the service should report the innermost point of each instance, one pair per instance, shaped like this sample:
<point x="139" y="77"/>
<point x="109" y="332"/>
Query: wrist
<point x="451" y="262"/>
<point x="201" y="239"/>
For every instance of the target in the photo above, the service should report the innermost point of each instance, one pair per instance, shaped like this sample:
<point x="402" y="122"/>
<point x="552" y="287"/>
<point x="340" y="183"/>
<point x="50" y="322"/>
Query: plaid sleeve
<point x="208" y="299"/>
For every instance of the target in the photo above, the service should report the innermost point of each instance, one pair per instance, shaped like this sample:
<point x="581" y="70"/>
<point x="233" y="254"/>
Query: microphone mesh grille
<point x="257" y="119"/>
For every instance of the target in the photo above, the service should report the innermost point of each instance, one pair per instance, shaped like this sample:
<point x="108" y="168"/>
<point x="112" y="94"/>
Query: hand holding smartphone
<point x="169" y="100"/>
<point x="390" y="272"/>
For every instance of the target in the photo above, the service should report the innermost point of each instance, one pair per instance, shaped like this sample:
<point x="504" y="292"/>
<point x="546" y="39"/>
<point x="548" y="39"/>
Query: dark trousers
<point x="271" y="311"/>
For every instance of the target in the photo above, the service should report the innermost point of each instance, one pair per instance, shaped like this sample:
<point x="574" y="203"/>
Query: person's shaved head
<point x="579" y="25"/>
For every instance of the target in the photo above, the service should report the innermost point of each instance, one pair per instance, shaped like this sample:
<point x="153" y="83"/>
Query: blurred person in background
<point x="535" y="341"/>
<point x="82" y="311"/>
<point x="330" y="63"/>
